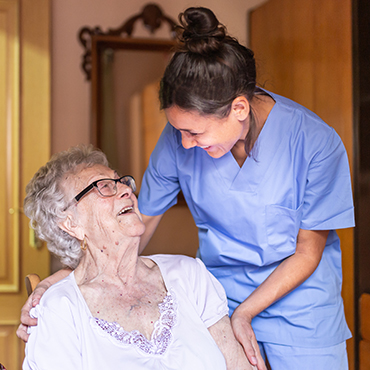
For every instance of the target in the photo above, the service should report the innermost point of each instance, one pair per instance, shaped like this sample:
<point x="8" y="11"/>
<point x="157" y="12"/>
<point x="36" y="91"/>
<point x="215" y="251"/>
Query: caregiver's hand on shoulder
<point x="26" y="319"/>
<point x="34" y="299"/>
<point x="244" y="333"/>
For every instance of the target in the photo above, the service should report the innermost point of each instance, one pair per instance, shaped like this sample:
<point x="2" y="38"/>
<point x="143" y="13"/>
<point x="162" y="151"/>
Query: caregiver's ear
<point x="241" y="108"/>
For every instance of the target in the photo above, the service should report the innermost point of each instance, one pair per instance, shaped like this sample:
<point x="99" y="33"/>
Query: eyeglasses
<point x="107" y="187"/>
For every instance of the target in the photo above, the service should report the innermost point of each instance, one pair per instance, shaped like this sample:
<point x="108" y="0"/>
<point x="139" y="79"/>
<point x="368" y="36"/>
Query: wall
<point x="70" y="91"/>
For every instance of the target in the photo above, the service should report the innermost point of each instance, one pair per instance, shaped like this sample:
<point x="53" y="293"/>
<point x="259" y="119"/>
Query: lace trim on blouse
<point x="161" y="336"/>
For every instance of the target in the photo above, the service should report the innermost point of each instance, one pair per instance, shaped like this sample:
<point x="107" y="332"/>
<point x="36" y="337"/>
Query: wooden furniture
<point x="119" y="67"/>
<point x="25" y="146"/>
<point x="31" y="281"/>
<point x="365" y="331"/>
<point x="303" y="51"/>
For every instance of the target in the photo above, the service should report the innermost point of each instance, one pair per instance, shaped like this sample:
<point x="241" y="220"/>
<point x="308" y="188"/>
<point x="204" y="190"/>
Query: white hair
<point x="46" y="202"/>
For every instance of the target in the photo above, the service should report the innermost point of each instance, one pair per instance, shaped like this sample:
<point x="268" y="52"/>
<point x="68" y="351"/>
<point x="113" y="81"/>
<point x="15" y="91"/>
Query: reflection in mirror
<point x="131" y="117"/>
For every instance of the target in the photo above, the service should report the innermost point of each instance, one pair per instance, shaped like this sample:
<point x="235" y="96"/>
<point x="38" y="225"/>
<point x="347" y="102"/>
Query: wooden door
<point x="24" y="147"/>
<point x="303" y="51"/>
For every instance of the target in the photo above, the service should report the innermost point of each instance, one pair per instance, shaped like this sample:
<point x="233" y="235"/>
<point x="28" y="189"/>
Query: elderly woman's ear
<point x="70" y="226"/>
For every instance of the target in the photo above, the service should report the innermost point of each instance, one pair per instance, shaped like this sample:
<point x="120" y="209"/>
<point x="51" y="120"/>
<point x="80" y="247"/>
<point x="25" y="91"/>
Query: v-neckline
<point x="155" y="323"/>
<point x="249" y="176"/>
<point x="243" y="158"/>
<point x="161" y="336"/>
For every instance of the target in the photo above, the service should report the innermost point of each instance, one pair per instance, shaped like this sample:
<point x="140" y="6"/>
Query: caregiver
<point x="267" y="182"/>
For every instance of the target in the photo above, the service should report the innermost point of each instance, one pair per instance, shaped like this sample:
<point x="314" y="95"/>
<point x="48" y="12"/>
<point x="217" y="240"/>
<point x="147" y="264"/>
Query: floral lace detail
<point x="161" y="336"/>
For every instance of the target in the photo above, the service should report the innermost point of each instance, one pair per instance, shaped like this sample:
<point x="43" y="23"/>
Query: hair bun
<point x="202" y="32"/>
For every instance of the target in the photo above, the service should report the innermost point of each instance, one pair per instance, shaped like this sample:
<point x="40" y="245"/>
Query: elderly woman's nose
<point x="123" y="190"/>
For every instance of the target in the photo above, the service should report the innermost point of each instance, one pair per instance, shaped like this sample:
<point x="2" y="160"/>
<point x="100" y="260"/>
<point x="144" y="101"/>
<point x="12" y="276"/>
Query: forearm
<point x="231" y="349"/>
<point x="44" y="285"/>
<point x="52" y="279"/>
<point x="151" y="223"/>
<point x="291" y="273"/>
<point x="286" y="277"/>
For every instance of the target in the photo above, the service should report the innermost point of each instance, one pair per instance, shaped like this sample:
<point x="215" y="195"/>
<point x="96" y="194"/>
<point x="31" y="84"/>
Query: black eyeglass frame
<point x="131" y="184"/>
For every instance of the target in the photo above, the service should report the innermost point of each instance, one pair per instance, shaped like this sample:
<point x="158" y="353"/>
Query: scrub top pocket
<point x="282" y="226"/>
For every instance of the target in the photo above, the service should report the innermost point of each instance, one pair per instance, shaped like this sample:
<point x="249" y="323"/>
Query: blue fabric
<point x="293" y="358"/>
<point x="249" y="217"/>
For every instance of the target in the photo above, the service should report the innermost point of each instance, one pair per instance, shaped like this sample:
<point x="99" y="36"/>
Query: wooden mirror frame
<point x="95" y="41"/>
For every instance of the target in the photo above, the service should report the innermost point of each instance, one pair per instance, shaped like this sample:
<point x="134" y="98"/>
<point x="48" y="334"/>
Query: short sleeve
<point x="160" y="184"/>
<point x="51" y="339"/>
<point x="328" y="202"/>
<point x="202" y="290"/>
<point x="210" y="297"/>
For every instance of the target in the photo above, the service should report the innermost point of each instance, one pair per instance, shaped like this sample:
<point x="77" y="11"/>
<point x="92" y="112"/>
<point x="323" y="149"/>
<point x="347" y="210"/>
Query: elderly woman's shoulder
<point x="65" y="288"/>
<point x="59" y="301"/>
<point x="176" y="263"/>
<point x="171" y="259"/>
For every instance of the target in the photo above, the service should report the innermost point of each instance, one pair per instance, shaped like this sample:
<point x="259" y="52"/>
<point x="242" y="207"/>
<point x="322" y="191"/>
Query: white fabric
<point x="65" y="337"/>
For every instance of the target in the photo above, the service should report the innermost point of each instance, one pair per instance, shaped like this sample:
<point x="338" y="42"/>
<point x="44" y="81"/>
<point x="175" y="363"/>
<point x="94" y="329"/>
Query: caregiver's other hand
<point x="26" y="319"/>
<point x="34" y="299"/>
<point x="243" y="331"/>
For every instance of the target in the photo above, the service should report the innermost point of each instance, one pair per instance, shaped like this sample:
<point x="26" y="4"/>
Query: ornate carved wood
<point x="152" y="17"/>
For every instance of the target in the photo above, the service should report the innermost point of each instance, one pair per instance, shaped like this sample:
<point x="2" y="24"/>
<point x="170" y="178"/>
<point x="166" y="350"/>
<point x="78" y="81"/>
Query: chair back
<point x="31" y="281"/>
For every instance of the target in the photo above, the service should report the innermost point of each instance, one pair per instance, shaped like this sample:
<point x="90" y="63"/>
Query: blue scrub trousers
<point x="300" y="358"/>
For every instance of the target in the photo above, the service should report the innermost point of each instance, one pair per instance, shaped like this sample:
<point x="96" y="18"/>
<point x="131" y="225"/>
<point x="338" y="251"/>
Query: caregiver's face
<point x="215" y="135"/>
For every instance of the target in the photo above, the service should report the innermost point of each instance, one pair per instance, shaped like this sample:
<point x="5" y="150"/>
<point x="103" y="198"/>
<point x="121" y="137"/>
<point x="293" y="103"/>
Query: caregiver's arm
<point x="233" y="352"/>
<point x="151" y="223"/>
<point x="292" y="272"/>
<point x="34" y="300"/>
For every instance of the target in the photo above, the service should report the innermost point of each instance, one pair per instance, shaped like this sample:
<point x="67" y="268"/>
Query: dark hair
<point x="208" y="70"/>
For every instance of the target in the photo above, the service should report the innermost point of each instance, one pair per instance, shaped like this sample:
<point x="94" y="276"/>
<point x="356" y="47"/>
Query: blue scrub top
<point x="249" y="217"/>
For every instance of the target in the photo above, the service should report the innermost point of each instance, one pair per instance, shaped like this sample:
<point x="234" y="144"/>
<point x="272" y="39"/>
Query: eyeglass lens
<point x="108" y="187"/>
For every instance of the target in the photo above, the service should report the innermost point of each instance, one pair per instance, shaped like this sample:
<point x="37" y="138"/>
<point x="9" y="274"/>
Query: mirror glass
<point x="130" y="118"/>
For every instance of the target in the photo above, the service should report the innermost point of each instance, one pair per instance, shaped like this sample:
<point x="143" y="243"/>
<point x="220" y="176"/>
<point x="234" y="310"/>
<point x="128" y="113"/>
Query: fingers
<point x="37" y="294"/>
<point x="252" y="352"/>
<point x="35" y="299"/>
<point x="22" y="333"/>
<point x="260" y="362"/>
<point x="25" y="313"/>
<point x="26" y="319"/>
<point x="245" y="335"/>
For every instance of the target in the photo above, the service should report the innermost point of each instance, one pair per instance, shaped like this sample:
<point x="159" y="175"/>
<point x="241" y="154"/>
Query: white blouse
<point x="69" y="337"/>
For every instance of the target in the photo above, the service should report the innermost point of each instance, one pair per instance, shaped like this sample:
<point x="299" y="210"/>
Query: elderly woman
<point x="116" y="309"/>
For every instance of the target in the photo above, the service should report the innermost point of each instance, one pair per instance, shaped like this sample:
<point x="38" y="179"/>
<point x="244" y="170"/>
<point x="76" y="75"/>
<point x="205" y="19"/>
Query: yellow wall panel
<point x="9" y="147"/>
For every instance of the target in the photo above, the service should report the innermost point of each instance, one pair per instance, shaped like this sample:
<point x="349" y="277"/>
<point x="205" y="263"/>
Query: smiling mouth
<point x="125" y="210"/>
<point x="205" y="147"/>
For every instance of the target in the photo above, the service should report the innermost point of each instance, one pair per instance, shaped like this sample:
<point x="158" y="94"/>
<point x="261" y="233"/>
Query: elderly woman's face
<point x="104" y="218"/>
